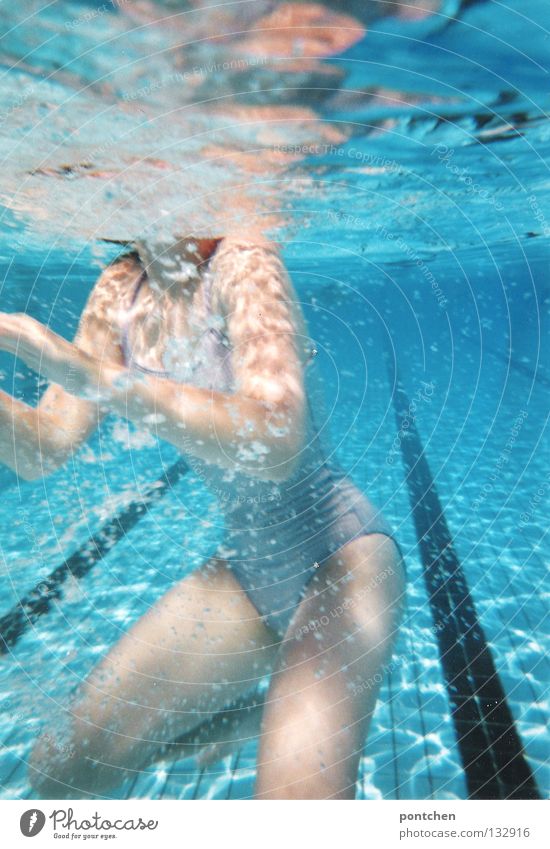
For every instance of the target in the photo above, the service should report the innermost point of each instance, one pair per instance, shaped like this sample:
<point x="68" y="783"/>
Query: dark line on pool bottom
<point x="39" y="600"/>
<point x="490" y="748"/>
<point x="534" y="376"/>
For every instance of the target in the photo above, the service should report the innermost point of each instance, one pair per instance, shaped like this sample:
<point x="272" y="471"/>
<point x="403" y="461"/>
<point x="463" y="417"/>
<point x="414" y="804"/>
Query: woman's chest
<point x="183" y="341"/>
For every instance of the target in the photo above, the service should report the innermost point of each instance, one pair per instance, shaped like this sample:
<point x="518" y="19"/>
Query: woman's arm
<point x="35" y="441"/>
<point x="259" y="428"/>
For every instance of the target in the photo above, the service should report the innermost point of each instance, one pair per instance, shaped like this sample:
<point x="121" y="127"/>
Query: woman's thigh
<point x="200" y="646"/>
<point x="325" y="684"/>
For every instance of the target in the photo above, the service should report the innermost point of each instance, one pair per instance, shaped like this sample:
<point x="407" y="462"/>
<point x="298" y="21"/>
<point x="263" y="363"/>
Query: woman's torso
<point x="197" y="351"/>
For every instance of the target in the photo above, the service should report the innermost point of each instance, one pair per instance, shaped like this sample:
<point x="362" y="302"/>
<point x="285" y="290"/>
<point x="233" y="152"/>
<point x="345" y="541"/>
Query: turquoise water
<point x="423" y="232"/>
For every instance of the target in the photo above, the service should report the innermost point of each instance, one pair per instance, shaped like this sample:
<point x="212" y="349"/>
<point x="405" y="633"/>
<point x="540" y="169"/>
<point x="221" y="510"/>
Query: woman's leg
<point x="326" y="681"/>
<point x="199" y="647"/>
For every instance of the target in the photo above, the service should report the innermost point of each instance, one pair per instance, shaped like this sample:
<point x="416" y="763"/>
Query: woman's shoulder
<point x="245" y="265"/>
<point x="113" y="290"/>
<point x="123" y="266"/>
<point x="243" y="262"/>
<point x="250" y="239"/>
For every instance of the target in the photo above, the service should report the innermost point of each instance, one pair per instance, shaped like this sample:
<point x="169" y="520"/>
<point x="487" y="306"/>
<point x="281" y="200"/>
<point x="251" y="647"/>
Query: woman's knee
<point x="371" y="580"/>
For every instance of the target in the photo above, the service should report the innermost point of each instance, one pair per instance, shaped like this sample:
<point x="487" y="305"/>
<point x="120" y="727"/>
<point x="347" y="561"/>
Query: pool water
<point x="416" y="231"/>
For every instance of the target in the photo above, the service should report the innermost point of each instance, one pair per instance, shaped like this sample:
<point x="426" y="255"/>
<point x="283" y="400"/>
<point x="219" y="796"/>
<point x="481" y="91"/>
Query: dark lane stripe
<point x="534" y="376"/>
<point x="490" y="749"/>
<point x="39" y="600"/>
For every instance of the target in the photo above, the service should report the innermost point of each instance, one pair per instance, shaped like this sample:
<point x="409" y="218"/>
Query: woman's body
<point x="319" y="607"/>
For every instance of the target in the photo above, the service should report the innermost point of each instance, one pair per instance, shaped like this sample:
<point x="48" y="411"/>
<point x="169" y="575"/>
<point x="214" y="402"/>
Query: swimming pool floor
<point x="412" y="750"/>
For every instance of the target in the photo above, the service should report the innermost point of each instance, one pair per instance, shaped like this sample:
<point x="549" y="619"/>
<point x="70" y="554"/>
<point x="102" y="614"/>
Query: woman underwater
<point x="202" y="340"/>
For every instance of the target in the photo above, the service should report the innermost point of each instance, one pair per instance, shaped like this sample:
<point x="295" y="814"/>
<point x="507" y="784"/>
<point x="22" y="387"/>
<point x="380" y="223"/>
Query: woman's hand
<point x="56" y="359"/>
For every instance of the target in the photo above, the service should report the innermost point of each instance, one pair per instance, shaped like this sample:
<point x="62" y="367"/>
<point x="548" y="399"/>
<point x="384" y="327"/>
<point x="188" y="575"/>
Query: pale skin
<point x="203" y="645"/>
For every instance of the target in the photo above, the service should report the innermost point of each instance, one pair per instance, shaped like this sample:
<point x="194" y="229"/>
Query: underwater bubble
<point x="278" y="431"/>
<point x="154" y="418"/>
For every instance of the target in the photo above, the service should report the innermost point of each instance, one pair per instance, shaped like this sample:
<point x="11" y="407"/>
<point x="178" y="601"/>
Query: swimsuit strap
<point x="213" y="328"/>
<point x="139" y="284"/>
<point x="125" y="332"/>
<point x="207" y="291"/>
